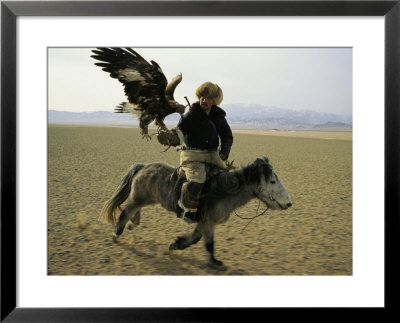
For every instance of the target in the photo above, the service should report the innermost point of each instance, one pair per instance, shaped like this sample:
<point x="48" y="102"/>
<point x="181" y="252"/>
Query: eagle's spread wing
<point x="149" y="94"/>
<point x="144" y="82"/>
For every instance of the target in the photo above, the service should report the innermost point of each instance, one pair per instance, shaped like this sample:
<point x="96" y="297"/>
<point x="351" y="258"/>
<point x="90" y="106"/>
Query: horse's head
<point x="269" y="189"/>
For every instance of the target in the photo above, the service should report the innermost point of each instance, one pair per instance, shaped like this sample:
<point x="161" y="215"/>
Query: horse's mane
<point x="252" y="172"/>
<point x="229" y="184"/>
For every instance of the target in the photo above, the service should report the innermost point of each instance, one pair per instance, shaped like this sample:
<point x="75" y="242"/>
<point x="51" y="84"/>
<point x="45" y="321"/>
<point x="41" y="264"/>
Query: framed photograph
<point x="333" y="248"/>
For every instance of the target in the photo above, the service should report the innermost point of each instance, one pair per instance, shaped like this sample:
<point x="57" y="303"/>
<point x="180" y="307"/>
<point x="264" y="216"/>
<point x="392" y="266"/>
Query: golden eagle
<point x="150" y="95"/>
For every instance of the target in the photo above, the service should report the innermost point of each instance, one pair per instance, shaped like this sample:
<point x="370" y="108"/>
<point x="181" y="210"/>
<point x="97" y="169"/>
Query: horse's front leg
<point x="209" y="244"/>
<point x="186" y="241"/>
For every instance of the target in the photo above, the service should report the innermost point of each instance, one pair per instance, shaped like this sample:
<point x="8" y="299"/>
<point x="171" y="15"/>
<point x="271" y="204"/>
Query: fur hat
<point x="210" y="90"/>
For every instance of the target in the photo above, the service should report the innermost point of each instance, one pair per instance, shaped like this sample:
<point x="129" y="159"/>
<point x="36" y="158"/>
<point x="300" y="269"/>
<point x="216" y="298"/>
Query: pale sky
<point x="318" y="79"/>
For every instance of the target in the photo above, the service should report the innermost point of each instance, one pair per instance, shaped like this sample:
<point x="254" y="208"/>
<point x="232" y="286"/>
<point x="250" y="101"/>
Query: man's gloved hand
<point x="168" y="138"/>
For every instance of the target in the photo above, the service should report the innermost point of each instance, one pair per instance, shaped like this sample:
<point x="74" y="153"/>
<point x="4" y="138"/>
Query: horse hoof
<point x="216" y="264"/>
<point x="115" y="237"/>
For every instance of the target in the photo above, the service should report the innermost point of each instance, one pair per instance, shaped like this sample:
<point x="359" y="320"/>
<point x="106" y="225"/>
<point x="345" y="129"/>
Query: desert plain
<point x="313" y="237"/>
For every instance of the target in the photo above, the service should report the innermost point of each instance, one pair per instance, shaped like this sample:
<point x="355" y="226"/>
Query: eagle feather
<point x="150" y="96"/>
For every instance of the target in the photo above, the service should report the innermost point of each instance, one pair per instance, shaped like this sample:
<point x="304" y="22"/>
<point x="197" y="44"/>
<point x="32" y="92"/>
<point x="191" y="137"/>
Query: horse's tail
<point x="120" y="195"/>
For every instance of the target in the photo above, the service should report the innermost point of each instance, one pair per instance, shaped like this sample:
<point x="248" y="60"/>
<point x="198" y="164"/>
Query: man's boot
<point x="189" y="201"/>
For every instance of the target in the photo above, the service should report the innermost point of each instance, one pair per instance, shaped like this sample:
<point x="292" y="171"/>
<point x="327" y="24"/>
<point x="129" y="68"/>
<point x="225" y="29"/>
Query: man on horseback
<point x="200" y="129"/>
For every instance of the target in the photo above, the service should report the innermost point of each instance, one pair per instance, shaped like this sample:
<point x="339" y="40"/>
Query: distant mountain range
<point x="238" y="116"/>
<point x="259" y="116"/>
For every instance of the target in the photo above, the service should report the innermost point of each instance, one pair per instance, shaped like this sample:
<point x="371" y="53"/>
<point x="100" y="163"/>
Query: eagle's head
<point x="177" y="106"/>
<point x="180" y="108"/>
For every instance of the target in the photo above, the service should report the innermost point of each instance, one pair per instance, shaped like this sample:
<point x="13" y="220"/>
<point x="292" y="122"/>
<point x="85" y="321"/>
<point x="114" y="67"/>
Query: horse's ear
<point x="265" y="158"/>
<point x="260" y="164"/>
<point x="258" y="167"/>
<point x="259" y="161"/>
<point x="262" y="160"/>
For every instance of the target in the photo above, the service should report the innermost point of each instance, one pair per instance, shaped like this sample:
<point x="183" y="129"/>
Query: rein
<point x="251" y="219"/>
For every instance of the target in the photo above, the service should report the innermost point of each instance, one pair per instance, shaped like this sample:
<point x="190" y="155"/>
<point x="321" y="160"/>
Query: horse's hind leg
<point x="129" y="211"/>
<point x="135" y="221"/>
<point x="186" y="241"/>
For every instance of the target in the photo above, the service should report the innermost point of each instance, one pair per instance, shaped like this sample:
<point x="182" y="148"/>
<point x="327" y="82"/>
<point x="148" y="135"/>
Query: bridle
<point x="261" y="189"/>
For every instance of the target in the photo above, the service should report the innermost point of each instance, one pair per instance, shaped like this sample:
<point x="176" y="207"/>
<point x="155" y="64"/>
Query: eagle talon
<point x="146" y="136"/>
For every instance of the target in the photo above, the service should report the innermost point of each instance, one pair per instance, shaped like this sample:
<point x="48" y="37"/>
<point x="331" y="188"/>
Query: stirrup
<point x="179" y="212"/>
<point x="190" y="217"/>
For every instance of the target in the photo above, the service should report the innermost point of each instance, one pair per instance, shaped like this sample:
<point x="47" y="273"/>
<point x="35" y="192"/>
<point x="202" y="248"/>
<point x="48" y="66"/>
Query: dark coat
<point x="203" y="132"/>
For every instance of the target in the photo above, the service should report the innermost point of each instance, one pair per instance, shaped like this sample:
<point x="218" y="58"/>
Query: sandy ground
<point x="314" y="237"/>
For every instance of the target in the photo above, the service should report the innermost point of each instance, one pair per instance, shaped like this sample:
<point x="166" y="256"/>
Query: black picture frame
<point x="10" y="10"/>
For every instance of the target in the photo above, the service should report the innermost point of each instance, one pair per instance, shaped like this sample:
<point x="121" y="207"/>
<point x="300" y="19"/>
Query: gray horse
<point x="146" y="184"/>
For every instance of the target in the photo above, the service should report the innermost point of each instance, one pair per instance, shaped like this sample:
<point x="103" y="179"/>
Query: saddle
<point x="217" y="181"/>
